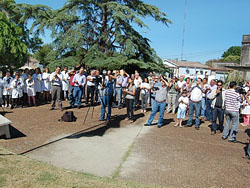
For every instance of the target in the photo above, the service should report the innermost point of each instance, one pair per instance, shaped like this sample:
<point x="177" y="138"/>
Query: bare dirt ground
<point x="169" y="156"/>
<point x="35" y="126"/>
<point x="185" y="157"/>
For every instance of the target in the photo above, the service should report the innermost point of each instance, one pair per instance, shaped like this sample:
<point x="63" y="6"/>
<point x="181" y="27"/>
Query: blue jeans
<point x="155" y="107"/>
<point x="77" y="95"/>
<point x="218" y="112"/>
<point x="203" y="106"/>
<point x="248" y="151"/>
<point x="234" y="116"/>
<point x="98" y="94"/>
<point x="106" y="102"/>
<point x="208" y="109"/>
<point x="194" y="107"/>
<point x="118" y="92"/>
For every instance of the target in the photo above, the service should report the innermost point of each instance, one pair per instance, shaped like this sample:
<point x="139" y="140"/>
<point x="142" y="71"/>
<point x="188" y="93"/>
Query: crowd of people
<point x="117" y="89"/>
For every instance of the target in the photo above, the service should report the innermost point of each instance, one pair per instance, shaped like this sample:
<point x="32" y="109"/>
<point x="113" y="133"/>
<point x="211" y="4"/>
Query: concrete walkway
<point x="92" y="152"/>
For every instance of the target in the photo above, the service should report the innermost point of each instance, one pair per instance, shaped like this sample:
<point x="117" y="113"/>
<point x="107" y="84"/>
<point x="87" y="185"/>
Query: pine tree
<point x="98" y="33"/>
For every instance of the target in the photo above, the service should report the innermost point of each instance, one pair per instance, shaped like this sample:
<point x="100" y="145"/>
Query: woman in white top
<point x="37" y="77"/>
<point x="246" y="109"/>
<point x="7" y="89"/>
<point x="65" y="83"/>
<point x="46" y="84"/>
<point x="31" y="90"/>
<point x="145" y="87"/>
<point x="17" y="90"/>
<point x="129" y="99"/>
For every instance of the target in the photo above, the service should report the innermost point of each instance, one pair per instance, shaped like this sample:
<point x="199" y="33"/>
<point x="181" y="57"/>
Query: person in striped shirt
<point x="232" y="106"/>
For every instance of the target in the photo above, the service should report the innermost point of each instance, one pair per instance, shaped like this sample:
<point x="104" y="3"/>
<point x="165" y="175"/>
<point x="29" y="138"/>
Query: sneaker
<point x="52" y="108"/>
<point x="6" y="106"/>
<point x="147" y="124"/>
<point x="233" y="141"/>
<point x="159" y="126"/>
<point x="197" y="128"/>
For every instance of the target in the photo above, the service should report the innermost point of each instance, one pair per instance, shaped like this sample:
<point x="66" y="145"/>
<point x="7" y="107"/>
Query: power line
<point x="195" y="54"/>
<point x="184" y="28"/>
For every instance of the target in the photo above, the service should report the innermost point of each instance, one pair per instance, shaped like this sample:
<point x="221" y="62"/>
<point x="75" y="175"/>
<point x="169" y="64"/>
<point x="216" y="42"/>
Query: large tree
<point x="98" y="33"/>
<point x="15" y="39"/>
<point x="12" y="49"/>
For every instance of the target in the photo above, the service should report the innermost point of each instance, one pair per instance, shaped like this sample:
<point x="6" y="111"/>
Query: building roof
<point x="222" y="69"/>
<point x="190" y="64"/>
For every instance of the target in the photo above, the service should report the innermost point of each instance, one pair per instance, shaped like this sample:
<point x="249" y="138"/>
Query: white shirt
<point x="246" y="109"/>
<point x="145" y="85"/>
<point x="89" y="83"/>
<point x="46" y="81"/>
<point x="138" y="82"/>
<point x="65" y="81"/>
<point x="196" y="94"/>
<point x="7" y="85"/>
<point x="17" y="88"/>
<point x="204" y="89"/>
<point x="180" y="84"/>
<point x="56" y="82"/>
<point x="184" y="100"/>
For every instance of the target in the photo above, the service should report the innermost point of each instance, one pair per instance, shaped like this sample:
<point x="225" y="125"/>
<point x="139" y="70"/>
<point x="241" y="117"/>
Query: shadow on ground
<point x="100" y="131"/>
<point x="14" y="133"/>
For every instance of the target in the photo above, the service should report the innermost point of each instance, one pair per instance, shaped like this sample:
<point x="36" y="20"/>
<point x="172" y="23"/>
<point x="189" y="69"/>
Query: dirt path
<point x="185" y="157"/>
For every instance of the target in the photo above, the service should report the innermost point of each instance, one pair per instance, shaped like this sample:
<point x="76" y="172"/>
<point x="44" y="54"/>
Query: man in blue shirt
<point x="108" y="87"/>
<point x="79" y="81"/>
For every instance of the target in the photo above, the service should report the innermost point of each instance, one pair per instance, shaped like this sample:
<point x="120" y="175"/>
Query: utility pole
<point x="184" y="28"/>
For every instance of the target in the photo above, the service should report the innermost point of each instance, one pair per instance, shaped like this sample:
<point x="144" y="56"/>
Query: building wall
<point x="245" y="51"/>
<point x="196" y="72"/>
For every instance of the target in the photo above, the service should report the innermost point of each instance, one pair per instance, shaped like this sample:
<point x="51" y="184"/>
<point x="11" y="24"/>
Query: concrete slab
<point x="90" y="152"/>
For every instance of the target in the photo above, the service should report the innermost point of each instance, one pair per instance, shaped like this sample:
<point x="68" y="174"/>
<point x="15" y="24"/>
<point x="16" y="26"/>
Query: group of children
<point x="23" y="88"/>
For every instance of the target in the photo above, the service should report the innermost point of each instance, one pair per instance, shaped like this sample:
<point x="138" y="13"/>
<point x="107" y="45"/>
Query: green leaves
<point x="232" y="54"/>
<point x="12" y="49"/>
<point x="98" y="33"/>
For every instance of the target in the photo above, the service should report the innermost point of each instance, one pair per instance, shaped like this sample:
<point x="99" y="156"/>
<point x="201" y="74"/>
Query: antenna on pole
<point x="184" y="28"/>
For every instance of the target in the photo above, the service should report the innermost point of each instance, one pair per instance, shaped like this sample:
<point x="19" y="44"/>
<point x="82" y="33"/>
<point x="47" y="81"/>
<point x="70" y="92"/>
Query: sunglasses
<point x="219" y="85"/>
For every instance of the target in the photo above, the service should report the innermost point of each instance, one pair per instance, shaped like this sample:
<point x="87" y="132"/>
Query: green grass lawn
<point x="21" y="172"/>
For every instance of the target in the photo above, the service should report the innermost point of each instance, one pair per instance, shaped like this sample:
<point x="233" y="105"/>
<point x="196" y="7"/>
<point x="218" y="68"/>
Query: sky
<point x="212" y="26"/>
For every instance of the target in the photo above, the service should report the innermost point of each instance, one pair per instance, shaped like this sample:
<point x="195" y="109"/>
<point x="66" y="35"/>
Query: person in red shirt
<point x="71" y="87"/>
